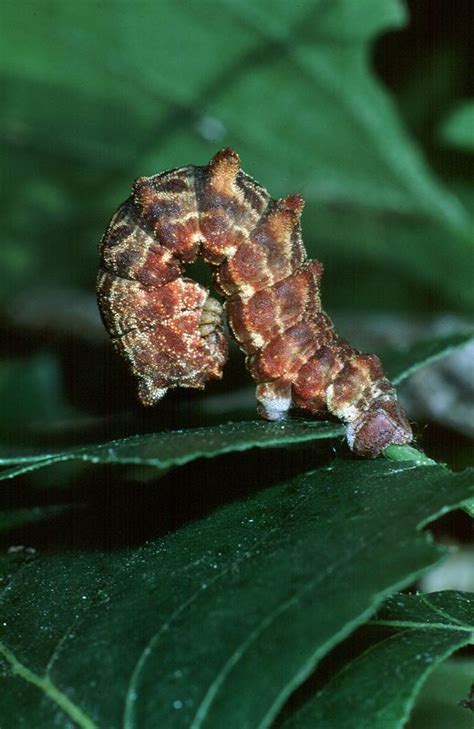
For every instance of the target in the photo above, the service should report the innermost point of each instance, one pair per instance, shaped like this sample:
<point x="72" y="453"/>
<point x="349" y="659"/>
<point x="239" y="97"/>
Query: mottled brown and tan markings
<point x="169" y="328"/>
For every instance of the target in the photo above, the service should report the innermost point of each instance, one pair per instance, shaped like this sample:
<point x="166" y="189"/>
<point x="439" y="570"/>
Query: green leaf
<point x="364" y="175"/>
<point x="437" y="706"/>
<point x="176" y="447"/>
<point x="400" y="364"/>
<point x="293" y="92"/>
<point x="458" y="129"/>
<point x="225" y="617"/>
<point x="469" y="508"/>
<point x="425" y="629"/>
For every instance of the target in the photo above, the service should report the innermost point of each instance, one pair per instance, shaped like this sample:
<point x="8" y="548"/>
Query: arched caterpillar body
<point x="170" y="329"/>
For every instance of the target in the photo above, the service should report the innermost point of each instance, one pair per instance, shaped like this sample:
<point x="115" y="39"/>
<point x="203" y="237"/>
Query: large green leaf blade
<point x="177" y="632"/>
<point x="356" y="166"/>
<point x="427" y="629"/>
<point x="293" y="91"/>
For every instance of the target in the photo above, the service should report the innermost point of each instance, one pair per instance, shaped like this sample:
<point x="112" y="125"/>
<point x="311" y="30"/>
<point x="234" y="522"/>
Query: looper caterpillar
<point x="169" y="328"/>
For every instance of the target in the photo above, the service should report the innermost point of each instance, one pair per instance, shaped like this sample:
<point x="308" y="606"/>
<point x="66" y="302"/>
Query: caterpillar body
<point x="170" y="329"/>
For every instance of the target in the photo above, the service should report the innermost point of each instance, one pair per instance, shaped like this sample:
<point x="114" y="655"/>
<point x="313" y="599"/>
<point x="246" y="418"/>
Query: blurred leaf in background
<point x="108" y="91"/>
<point x="458" y="129"/>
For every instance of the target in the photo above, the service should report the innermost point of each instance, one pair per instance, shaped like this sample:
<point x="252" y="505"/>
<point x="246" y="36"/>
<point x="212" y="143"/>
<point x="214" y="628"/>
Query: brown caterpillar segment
<point x="170" y="330"/>
<point x="154" y="315"/>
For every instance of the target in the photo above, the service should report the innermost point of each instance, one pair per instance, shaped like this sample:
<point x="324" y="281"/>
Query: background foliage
<point x="141" y="584"/>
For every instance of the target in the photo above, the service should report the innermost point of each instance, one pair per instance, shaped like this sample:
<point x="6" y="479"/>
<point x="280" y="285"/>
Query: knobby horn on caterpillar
<point x="170" y="330"/>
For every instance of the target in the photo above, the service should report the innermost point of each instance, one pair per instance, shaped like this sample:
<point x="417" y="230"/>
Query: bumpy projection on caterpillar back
<point x="170" y="329"/>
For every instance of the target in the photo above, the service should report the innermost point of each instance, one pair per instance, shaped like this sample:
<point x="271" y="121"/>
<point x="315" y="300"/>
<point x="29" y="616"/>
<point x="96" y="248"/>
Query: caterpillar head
<point x="383" y="424"/>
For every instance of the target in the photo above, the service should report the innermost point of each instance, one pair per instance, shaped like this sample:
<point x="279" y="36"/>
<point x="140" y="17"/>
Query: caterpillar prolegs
<point x="170" y="330"/>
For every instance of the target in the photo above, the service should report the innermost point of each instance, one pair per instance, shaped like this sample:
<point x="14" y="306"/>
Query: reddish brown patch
<point x="284" y="354"/>
<point x="313" y="379"/>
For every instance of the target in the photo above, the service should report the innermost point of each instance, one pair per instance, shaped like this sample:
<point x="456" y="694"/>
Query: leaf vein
<point x="49" y="689"/>
<point x="439" y="611"/>
<point x="128" y="721"/>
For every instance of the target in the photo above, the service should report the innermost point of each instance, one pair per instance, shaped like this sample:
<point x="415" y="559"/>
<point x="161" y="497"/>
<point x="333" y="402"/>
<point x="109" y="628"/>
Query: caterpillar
<point x="170" y="330"/>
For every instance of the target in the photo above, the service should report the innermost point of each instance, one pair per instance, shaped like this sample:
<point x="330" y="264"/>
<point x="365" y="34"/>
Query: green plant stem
<point x="408" y="453"/>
